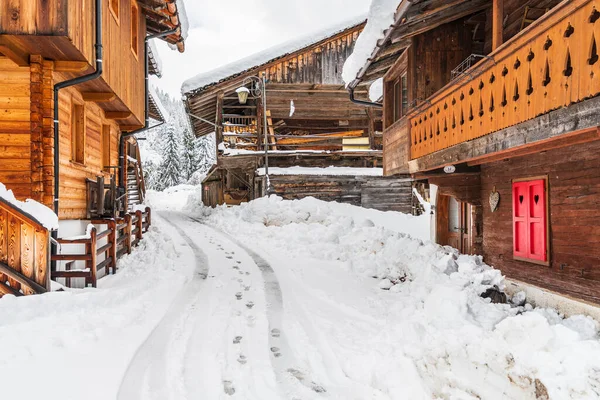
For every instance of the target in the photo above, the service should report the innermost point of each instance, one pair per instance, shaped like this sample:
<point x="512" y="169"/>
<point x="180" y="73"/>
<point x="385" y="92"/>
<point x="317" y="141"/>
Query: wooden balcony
<point x="551" y="64"/>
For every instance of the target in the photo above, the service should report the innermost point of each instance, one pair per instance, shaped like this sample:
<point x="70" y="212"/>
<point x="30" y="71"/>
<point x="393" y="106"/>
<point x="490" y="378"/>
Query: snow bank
<point x="273" y="53"/>
<point x="80" y="339"/>
<point x="174" y="198"/>
<point x="332" y="171"/>
<point x="380" y="18"/>
<point x="422" y="318"/>
<point x="38" y="211"/>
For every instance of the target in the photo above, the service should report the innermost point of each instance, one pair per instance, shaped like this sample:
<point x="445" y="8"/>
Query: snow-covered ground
<point x="292" y="300"/>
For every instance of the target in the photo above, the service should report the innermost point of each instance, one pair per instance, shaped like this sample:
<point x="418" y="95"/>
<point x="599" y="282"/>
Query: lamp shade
<point x="243" y="93"/>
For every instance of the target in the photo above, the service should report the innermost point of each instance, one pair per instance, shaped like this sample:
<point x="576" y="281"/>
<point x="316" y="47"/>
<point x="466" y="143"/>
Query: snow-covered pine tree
<point x="190" y="155"/>
<point x="170" y="168"/>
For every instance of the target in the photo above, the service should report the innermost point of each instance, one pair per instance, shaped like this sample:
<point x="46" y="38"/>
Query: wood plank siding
<point x="15" y="128"/>
<point x="573" y="192"/>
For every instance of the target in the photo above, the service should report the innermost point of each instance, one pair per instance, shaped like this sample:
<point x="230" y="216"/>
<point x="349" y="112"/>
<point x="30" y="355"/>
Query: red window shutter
<point x="537" y="220"/>
<point x="530" y="235"/>
<point x="520" y="206"/>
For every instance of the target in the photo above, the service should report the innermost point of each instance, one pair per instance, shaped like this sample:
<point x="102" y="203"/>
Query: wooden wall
<point x="574" y="190"/>
<point x="72" y="174"/>
<point x="396" y="148"/>
<point x="385" y="194"/>
<point x="34" y="17"/>
<point x="15" y="128"/>
<point x="321" y="64"/>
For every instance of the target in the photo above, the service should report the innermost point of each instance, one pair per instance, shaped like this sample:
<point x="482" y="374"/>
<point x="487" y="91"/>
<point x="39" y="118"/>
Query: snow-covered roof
<point x="328" y="171"/>
<point x="382" y="15"/>
<point x="274" y="53"/>
<point x="155" y="101"/>
<point x="183" y="23"/>
<point x="154" y="61"/>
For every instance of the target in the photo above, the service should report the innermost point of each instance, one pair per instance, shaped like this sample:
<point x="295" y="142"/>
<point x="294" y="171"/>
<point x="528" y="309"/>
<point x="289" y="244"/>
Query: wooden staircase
<point x="136" y="188"/>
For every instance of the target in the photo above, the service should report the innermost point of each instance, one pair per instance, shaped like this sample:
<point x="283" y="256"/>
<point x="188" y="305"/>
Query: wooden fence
<point x="24" y="252"/>
<point x="120" y="233"/>
<point x="551" y="64"/>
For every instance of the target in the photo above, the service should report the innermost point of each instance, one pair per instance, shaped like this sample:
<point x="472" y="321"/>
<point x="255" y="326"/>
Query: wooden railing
<point x="239" y="123"/>
<point x="121" y="235"/>
<point x="551" y="64"/>
<point x="24" y="253"/>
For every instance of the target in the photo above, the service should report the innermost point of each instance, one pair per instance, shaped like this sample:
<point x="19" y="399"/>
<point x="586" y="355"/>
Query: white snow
<point x="161" y="107"/>
<point x="332" y="171"/>
<point x="156" y="57"/>
<point x="207" y="78"/>
<point x="38" y="211"/>
<point x="279" y="299"/>
<point x="242" y="89"/>
<point x="376" y="90"/>
<point x="380" y="18"/>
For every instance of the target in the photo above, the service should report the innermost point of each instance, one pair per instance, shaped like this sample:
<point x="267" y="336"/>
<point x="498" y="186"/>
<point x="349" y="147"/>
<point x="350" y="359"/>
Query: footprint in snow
<point x="229" y="257"/>
<point x="246" y="288"/>
<point x="228" y="388"/>
<point x="247" y="273"/>
<point x="275" y="351"/>
<point x="237" y="340"/>
<point x="275" y="332"/>
<point x="237" y="261"/>
<point x="236" y="267"/>
<point x="312" y="385"/>
<point x="238" y="295"/>
<point x="250" y="304"/>
<point x="242" y="359"/>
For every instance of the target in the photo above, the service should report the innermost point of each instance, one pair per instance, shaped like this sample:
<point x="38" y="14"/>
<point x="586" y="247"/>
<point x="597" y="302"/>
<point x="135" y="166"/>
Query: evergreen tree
<point x="170" y="168"/>
<point x="191" y="157"/>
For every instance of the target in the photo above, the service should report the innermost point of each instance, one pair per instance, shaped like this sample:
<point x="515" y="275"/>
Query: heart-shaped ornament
<point x="494" y="200"/>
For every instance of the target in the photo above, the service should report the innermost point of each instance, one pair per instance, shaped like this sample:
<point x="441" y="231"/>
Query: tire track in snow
<point x="282" y="360"/>
<point x="149" y="375"/>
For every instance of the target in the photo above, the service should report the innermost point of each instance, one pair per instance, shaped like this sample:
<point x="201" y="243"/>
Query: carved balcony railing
<point x="551" y="64"/>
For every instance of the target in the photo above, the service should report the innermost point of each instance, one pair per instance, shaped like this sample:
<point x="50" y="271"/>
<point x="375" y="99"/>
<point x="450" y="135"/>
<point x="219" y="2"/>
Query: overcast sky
<point x="222" y="31"/>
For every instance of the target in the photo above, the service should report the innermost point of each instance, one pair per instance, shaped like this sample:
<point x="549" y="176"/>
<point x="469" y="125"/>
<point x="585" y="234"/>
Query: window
<point x="106" y="147"/>
<point x="400" y="97"/>
<point x="113" y="6"/>
<point x="134" y="27"/>
<point x="78" y="133"/>
<point x="530" y="220"/>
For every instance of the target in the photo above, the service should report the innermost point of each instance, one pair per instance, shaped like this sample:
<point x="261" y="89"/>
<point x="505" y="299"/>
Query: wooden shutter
<point x="530" y="229"/>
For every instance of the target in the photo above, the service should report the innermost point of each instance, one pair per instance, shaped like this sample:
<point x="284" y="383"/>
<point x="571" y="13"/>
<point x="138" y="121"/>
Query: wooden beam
<point x="323" y="136"/>
<point x="71" y="66"/>
<point x="117" y="114"/>
<point x="497" y="23"/>
<point x="16" y="55"/>
<point x="99" y="97"/>
<point x="129" y="128"/>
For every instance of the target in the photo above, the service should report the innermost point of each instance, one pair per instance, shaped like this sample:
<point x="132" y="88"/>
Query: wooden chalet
<point x="311" y="123"/>
<point x="73" y="93"/>
<point x="495" y="104"/>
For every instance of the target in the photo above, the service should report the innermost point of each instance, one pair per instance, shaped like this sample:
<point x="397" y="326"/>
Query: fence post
<point x="128" y="233"/>
<point x="140" y="224"/>
<point x="90" y="249"/>
<point x="148" y="218"/>
<point x="112" y="238"/>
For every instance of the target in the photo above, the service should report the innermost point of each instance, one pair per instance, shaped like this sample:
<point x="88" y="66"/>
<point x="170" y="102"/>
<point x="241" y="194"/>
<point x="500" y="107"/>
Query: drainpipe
<point x="147" y="126"/>
<point x="72" y="82"/>
<point x="362" y="102"/>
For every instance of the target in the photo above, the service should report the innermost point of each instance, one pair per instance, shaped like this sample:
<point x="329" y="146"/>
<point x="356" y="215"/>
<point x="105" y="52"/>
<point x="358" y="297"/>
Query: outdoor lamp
<point x="243" y="93"/>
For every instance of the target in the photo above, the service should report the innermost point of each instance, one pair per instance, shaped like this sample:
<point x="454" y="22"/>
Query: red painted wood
<point x="529" y="220"/>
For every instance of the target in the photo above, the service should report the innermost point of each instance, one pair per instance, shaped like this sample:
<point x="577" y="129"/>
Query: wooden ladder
<point x="271" y="131"/>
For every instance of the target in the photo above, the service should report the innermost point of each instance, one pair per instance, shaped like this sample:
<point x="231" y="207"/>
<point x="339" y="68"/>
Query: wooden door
<point x="454" y="224"/>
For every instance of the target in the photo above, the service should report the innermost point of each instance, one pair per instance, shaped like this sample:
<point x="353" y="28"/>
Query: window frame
<point x="392" y="97"/>
<point x="135" y="26"/>
<point x="78" y="125"/>
<point x="116" y="13"/>
<point x="545" y="179"/>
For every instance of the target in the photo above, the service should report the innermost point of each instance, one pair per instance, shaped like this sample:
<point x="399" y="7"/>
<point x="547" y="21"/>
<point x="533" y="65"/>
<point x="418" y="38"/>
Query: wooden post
<point x="112" y="238"/>
<point x="91" y="247"/>
<point x="371" y="128"/>
<point x="148" y="218"/>
<point x="219" y="121"/>
<point x="128" y="233"/>
<point x="140" y="224"/>
<point x="100" y="196"/>
<point x="497" y="23"/>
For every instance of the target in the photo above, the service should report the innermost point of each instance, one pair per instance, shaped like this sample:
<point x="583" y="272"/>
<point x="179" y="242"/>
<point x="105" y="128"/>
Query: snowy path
<point x="223" y="337"/>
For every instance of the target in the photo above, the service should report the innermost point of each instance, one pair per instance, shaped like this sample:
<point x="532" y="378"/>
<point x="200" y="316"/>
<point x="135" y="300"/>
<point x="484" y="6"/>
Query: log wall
<point x="385" y="194"/>
<point x="15" y="128"/>
<point x="574" y="190"/>
<point x="396" y="148"/>
<point x="73" y="174"/>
